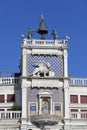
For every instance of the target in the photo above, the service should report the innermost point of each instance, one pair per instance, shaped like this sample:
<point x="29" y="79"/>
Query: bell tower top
<point x="38" y="54"/>
<point x="42" y="27"/>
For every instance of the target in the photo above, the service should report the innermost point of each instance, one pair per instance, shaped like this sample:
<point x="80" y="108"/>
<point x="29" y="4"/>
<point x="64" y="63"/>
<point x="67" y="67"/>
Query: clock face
<point x="55" y="62"/>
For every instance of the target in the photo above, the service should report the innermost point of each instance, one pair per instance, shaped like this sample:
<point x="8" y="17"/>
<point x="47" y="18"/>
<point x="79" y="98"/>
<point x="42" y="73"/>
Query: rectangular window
<point x="11" y="98"/>
<point x="74" y="110"/>
<point x="83" y="99"/>
<point x="57" y="108"/>
<point x="9" y="109"/>
<point x="33" y="108"/>
<point x="1" y="109"/>
<point x="74" y="98"/>
<point x="74" y="113"/>
<point x="84" y="114"/>
<point x="1" y="98"/>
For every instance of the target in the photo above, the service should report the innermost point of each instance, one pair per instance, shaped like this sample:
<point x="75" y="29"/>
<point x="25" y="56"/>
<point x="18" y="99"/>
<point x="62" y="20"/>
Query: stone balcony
<point x="78" y="81"/>
<point x="10" y="115"/>
<point x="9" y="80"/>
<point x="10" y="120"/>
<point x="78" y="115"/>
<point x="45" y="119"/>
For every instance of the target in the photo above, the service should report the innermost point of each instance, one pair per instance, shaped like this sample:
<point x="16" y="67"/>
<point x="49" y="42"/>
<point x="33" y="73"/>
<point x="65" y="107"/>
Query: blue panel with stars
<point x="56" y="64"/>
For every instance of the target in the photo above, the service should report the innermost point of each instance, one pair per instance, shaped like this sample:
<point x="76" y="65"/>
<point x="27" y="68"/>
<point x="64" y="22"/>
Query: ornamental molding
<point x="47" y="52"/>
<point x="44" y="93"/>
<point x="51" y="83"/>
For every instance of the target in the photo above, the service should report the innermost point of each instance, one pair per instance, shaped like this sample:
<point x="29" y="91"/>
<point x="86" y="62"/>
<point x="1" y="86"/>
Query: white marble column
<point x="51" y="105"/>
<point x="24" y="104"/>
<point x="40" y="105"/>
<point x="65" y="63"/>
<point x="24" y="62"/>
<point x="66" y="99"/>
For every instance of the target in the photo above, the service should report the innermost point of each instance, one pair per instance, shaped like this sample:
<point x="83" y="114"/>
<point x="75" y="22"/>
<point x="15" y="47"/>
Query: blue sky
<point x="68" y="17"/>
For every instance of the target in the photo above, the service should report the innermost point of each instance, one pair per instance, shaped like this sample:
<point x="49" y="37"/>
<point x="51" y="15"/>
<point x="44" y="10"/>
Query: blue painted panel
<point x="32" y="108"/>
<point x="56" y="64"/>
<point x="57" y="108"/>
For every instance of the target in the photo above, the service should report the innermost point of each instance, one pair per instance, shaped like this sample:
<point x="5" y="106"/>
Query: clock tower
<point x="44" y="80"/>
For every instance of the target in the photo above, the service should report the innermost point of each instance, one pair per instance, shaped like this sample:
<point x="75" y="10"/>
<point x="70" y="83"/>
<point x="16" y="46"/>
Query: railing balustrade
<point x="17" y="115"/>
<point x="9" y="80"/>
<point x="78" y="115"/>
<point x="78" y="81"/>
<point x="43" y="42"/>
<point x="10" y="114"/>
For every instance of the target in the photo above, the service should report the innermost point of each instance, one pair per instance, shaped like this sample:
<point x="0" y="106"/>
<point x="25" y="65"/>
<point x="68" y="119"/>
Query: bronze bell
<point x="42" y="27"/>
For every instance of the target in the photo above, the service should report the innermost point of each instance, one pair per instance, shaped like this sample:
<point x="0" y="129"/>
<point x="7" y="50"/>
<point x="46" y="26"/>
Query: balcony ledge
<point x="45" y="119"/>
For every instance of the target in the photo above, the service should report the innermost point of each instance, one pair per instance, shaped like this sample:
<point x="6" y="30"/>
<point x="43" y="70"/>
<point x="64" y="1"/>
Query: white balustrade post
<point x="83" y="83"/>
<point x="79" y="114"/>
<point x="11" y="115"/>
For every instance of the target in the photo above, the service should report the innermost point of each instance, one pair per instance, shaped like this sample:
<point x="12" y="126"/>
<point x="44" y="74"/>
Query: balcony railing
<point x="10" y="115"/>
<point x="9" y="80"/>
<point x="78" y="115"/>
<point x="78" y="81"/>
<point x="34" y="42"/>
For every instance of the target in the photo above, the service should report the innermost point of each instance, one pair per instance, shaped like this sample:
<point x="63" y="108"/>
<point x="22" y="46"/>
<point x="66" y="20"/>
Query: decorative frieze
<point x="45" y="83"/>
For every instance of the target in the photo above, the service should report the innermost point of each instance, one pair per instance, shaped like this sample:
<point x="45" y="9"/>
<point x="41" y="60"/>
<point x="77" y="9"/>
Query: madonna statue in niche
<point x="46" y="105"/>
